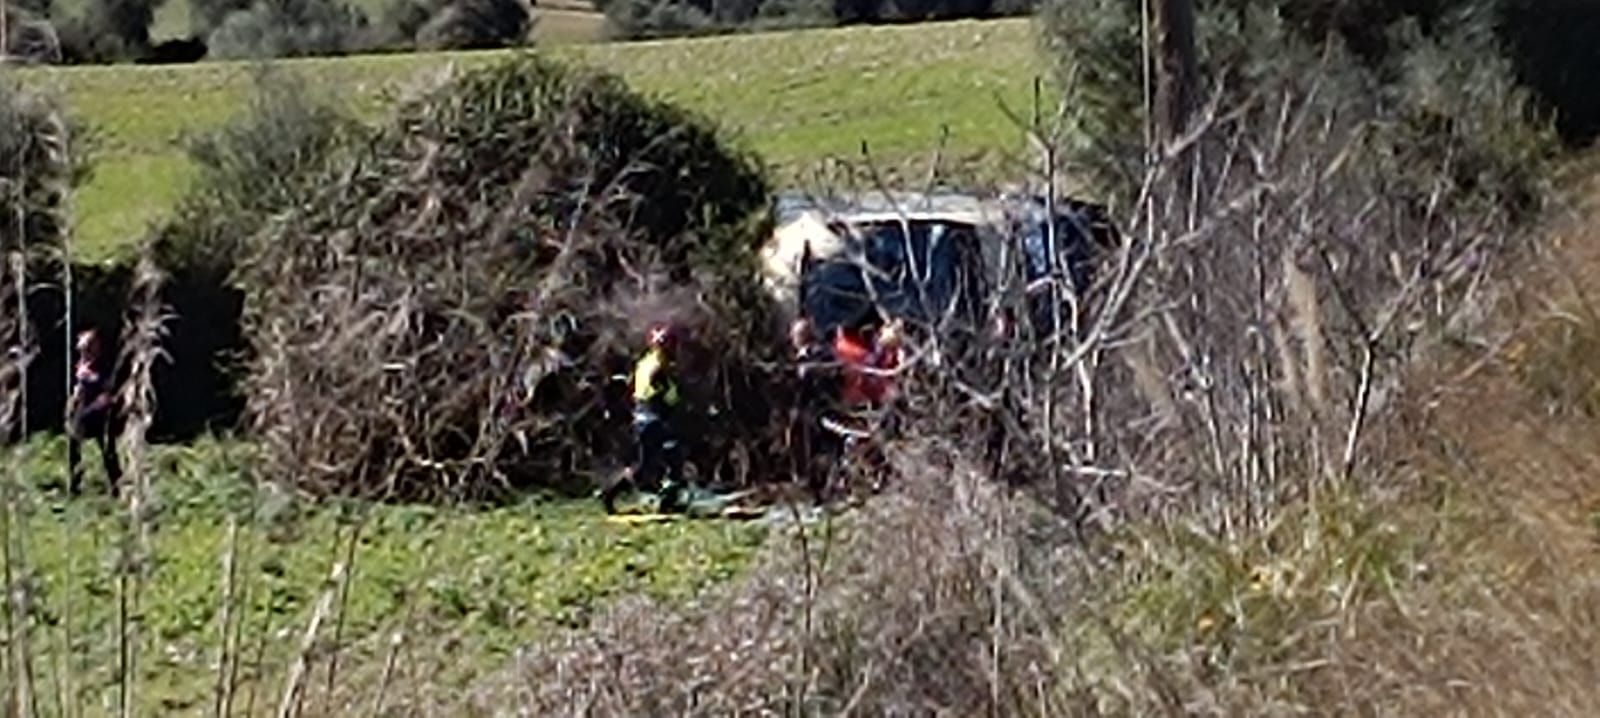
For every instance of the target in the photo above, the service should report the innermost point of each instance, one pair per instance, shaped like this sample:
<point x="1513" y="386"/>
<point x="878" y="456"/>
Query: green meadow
<point x="799" y="99"/>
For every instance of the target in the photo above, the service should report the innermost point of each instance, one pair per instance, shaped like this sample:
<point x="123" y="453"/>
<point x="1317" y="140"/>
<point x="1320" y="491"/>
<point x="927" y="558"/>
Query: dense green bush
<point x="30" y="8"/>
<point x="43" y="156"/>
<point x="466" y="24"/>
<point x="664" y="18"/>
<point x="1553" y="45"/>
<point x="290" y="28"/>
<point x="1549" y="43"/>
<point x="401" y="19"/>
<point x="207" y="15"/>
<point x="257" y="165"/>
<point x="261" y="163"/>
<point x="857" y="11"/>
<point x="127" y="20"/>
<point x="640" y="19"/>
<point x="1433" y="79"/>
<point x="106" y="31"/>
<point x="29" y="34"/>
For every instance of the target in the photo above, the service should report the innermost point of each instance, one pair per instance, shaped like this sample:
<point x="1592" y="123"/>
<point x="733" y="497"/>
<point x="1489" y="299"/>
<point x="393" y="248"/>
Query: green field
<point x="797" y="98"/>
<point x="465" y="587"/>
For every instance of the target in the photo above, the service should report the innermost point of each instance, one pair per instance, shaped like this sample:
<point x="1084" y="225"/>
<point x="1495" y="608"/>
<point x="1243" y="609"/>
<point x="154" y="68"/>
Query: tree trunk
<point x="1176" y="68"/>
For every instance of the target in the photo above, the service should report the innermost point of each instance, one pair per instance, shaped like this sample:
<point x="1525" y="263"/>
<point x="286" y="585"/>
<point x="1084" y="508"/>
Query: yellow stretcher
<point x="727" y="510"/>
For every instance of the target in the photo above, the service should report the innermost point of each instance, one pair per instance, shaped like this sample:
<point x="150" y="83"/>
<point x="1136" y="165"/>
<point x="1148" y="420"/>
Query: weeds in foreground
<point x="953" y="597"/>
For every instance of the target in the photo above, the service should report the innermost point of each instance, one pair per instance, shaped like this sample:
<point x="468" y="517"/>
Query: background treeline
<point x="104" y="31"/>
<point x="663" y="18"/>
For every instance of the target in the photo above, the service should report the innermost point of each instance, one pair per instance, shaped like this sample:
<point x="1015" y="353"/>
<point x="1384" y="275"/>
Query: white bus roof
<point x="891" y="207"/>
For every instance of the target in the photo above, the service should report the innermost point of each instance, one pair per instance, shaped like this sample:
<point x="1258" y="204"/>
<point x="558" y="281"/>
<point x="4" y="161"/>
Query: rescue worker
<point x="91" y="414"/>
<point x="803" y="340"/>
<point x="882" y="375"/>
<point x="869" y="360"/>
<point x="852" y="348"/>
<point x="656" y="400"/>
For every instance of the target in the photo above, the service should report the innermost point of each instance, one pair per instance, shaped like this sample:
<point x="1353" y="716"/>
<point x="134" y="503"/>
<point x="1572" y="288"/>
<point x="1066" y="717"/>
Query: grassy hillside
<point x="796" y="98"/>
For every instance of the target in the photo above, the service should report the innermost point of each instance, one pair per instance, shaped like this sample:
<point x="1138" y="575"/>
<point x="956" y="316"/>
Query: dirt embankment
<point x="1523" y="422"/>
<point x="1509" y="442"/>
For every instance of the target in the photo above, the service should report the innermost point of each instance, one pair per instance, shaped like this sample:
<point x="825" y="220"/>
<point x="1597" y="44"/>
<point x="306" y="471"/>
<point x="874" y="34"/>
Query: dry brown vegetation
<point x="1463" y="581"/>
<point x="1283" y="418"/>
<point x="442" y="317"/>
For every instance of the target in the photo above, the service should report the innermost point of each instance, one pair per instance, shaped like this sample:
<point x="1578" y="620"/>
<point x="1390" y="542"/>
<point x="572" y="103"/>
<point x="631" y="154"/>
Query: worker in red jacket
<point x="870" y="361"/>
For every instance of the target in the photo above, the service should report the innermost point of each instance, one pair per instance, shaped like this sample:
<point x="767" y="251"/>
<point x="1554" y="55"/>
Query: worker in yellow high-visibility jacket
<point x="655" y="393"/>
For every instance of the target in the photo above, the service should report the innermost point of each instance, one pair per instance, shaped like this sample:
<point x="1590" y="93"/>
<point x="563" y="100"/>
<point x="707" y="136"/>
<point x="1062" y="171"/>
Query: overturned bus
<point x="927" y="258"/>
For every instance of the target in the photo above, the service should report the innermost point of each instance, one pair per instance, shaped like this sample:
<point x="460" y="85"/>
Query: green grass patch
<point x="797" y="98"/>
<point x="484" y="581"/>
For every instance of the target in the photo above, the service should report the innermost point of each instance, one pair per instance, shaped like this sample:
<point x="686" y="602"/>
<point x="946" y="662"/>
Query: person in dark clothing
<point x="92" y="414"/>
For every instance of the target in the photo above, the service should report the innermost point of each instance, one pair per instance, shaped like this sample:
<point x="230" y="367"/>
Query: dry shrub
<point x="19" y="346"/>
<point x="440" y="318"/>
<point x="1209" y="405"/>
<point x="952" y="596"/>
<point x="1285" y="259"/>
<point x="43" y="158"/>
<point x="905" y="607"/>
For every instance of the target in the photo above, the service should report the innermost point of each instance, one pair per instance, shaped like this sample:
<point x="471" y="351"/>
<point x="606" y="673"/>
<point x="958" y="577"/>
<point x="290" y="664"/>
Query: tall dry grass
<point x="20" y="668"/>
<point x="906" y="605"/>
<point x="1462" y="587"/>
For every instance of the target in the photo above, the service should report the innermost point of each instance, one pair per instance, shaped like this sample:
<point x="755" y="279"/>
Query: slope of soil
<point x="1504" y="615"/>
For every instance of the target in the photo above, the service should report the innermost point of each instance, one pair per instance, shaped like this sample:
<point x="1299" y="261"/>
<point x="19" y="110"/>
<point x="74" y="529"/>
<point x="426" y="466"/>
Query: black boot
<point x="613" y="489"/>
<point x="672" y="500"/>
<point x="112" y="464"/>
<point x="74" y="465"/>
